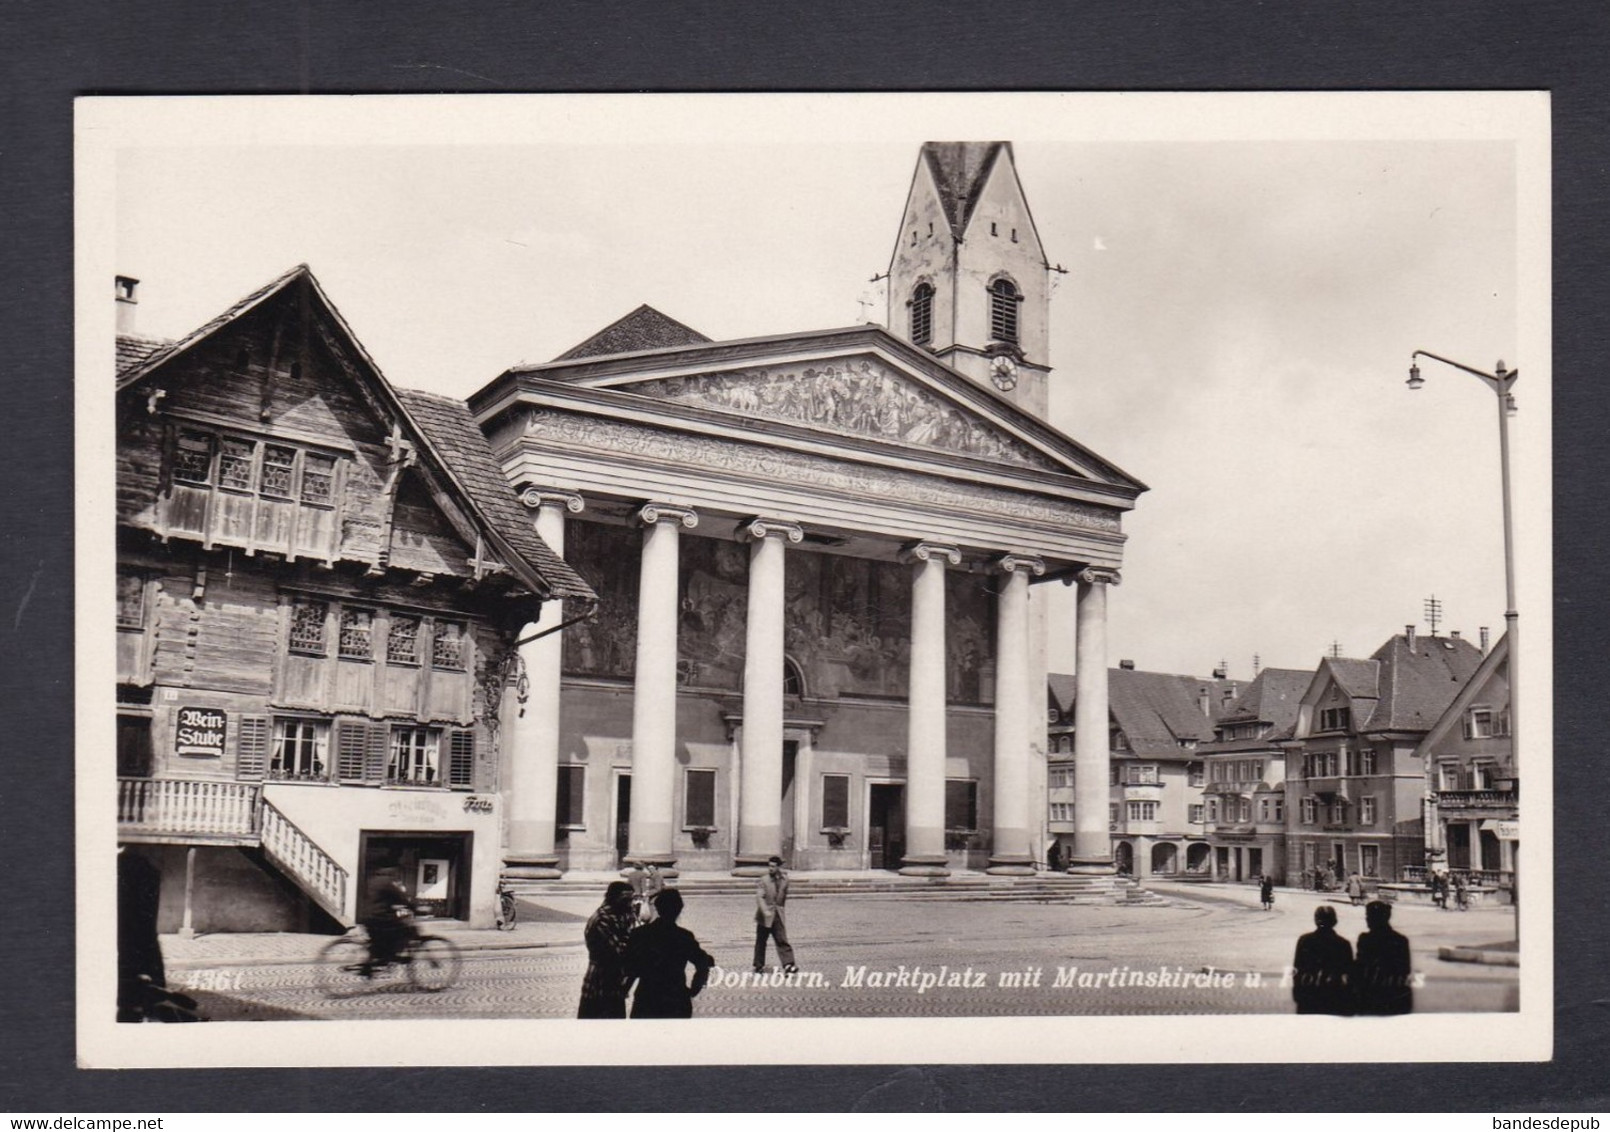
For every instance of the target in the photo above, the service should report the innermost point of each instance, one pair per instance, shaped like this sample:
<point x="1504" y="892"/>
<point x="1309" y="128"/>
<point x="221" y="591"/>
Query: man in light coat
<point x="771" y="893"/>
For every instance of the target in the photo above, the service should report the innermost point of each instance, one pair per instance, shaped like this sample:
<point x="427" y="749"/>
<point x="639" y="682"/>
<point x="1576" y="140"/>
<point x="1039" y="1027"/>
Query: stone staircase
<point x="1045" y="888"/>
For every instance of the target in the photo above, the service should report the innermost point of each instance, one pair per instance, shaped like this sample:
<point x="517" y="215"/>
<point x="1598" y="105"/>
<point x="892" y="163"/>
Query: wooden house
<point x="321" y="581"/>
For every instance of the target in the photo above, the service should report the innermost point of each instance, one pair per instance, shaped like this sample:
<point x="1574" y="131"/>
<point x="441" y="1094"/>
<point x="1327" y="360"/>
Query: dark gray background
<point x="411" y="46"/>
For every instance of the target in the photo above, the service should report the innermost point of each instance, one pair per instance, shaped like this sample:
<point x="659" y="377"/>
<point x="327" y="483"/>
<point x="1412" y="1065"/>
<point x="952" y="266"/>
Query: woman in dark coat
<point x="1322" y="967"/>
<point x="658" y="957"/>
<point x="1382" y="977"/>
<point x="603" y="989"/>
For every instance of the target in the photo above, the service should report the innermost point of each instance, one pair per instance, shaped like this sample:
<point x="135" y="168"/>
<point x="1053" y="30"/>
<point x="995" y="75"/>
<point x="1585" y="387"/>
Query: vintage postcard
<point x="1039" y="577"/>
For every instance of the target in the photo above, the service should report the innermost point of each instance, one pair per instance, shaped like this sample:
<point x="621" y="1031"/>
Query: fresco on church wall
<point x="608" y="558"/>
<point x="969" y="638"/>
<point x="715" y="594"/>
<point x="847" y="621"/>
<point x="861" y="397"/>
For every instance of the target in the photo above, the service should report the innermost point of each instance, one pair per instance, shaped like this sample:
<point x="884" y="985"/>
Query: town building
<point x="1154" y="776"/>
<point x="320" y="583"/>
<point x="1245" y="768"/>
<point x="1355" y="778"/>
<point x="1472" y="780"/>
<point x="820" y="558"/>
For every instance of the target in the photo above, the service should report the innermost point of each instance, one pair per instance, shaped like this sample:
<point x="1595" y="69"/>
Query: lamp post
<point x="1500" y="382"/>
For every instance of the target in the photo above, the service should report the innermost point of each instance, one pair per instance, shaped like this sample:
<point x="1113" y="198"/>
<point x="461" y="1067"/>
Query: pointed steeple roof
<point x="644" y="329"/>
<point x="960" y="170"/>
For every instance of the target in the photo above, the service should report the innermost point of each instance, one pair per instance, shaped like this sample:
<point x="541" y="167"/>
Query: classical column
<point x="533" y="725"/>
<point x="1010" y="852"/>
<point x="654" y="693"/>
<point x="925" y="711"/>
<point x="761" y="758"/>
<point x="1092" y="845"/>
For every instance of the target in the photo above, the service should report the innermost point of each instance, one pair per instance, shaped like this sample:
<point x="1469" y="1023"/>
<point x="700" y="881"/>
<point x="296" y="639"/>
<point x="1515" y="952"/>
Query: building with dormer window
<point x="1245" y="793"/>
<point x="1355" y="783"/>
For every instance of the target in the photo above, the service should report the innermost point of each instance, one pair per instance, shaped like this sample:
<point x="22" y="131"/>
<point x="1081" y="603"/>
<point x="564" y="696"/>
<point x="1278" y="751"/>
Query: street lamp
<point x="1500" y="382"/>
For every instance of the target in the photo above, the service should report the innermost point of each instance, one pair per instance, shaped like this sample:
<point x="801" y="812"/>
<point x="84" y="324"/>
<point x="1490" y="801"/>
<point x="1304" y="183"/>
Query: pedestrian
<point x="1266" y="892"/>
<point x="1355" y="888"/>
<point x="657" y="956"/>
<point x="1382" y="977"/>
<point x="771" y="893"/>
<point x="604" y="987"/>
<point x="1322" y="967"/>
<point x="1053" y="857"/>
<point x="1461" y="892"/>
<point x="1439" y="891"/>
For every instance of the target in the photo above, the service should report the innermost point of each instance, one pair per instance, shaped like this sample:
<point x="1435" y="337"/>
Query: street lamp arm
<point x="1497" y="384"/>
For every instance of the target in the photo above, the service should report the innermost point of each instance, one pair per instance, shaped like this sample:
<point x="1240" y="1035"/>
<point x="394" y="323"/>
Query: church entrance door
<point x="886" y="825"/>
<point x="790" y="759"/>
<point x="623" y="816"/>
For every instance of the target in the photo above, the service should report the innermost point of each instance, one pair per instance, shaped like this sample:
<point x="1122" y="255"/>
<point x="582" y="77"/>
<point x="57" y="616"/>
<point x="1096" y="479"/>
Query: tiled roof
<point x="1062" y="690"/>
<point x="960" y="170"/>
<point x="133" y="349"/>
<point x="1360" y="679"/>
<point x="1418" y="685"/>
<point x="452" y="431"/>
<point x="643" y="329"/>
<point x="1156" y="710"/>
<point x="1273" y="697"/>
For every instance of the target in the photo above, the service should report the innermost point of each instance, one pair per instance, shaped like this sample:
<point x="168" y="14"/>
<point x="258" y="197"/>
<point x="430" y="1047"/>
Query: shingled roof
<point x="644" y="329"/>
<point x="960" y="170"/>
<point x="1273" y="697"/>
<point x="133" y="350"/>
<point x="448" y="426"/>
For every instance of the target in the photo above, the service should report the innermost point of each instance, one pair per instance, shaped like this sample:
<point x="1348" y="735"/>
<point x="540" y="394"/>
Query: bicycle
<point x="347" y="965"/>
<point x="508" y="910"/>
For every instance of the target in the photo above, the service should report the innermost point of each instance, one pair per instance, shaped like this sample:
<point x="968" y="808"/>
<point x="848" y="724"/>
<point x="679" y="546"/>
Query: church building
<point x="821" y="561"/>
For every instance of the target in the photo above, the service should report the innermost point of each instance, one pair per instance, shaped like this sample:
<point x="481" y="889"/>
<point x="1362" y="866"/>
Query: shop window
<point x="699" y="807"/>
<point x="571" y="812"/>
<point x="835" y="801"/>
<point x="961" y="804"/>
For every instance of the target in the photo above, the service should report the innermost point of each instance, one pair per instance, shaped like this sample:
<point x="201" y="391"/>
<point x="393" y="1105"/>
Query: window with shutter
<point x="351" y="750"/>
<point x="461" y="759"/>
<point x="251" y="747"/>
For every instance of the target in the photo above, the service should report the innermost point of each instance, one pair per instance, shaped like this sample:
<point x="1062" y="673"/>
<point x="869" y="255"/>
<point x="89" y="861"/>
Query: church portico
<point x="822" y="645"/>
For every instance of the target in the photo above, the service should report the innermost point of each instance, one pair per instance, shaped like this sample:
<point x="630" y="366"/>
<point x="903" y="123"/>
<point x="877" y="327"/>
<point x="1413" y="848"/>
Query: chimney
<point x="126" y="302"/>
<point x="1484" y="635"/>
<point x="1257" y="664"/>
<point x="1408" y="636"/>
<point x="1455" y="634"/>
<point x="1127" y="665"/>
<point x="1205" y="702"/>
<point x="1220" y="672"/>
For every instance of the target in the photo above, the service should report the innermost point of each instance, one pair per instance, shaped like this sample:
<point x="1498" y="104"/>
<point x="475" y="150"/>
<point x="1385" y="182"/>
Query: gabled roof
<point x="1061" y="687"/>
<point x="1496" y="661"/>
<point x="960" y="171"/>
<point x="643" y="329"/>
<point x="132" y="349"/>
<point x="1418" y="684"/>
<point x="458" y="457"/>
<point x="1358" y="679"/>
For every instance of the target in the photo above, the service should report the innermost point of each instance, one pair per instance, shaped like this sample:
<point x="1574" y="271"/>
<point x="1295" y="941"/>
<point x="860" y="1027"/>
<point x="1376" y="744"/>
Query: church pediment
<point x="864" y="397"/>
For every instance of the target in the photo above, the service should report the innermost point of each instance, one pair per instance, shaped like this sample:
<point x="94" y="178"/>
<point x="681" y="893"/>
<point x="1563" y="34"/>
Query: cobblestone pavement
<point x="1206" y="951"/>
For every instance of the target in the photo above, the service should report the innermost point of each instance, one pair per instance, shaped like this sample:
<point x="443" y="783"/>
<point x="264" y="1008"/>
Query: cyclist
<point x="388" y="918"/>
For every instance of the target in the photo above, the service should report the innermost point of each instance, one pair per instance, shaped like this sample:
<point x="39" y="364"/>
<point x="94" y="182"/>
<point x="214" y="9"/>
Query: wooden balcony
<point x="186" y="811"/>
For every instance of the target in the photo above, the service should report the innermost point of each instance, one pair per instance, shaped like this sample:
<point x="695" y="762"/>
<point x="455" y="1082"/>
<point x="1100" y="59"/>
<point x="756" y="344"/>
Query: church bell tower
<point x="968" y="280"/>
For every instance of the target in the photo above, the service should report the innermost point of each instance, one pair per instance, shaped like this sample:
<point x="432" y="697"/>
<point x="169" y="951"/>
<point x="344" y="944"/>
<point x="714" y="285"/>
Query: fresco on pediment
<point x="859" y="397"/>
<point x="608" y="557"/>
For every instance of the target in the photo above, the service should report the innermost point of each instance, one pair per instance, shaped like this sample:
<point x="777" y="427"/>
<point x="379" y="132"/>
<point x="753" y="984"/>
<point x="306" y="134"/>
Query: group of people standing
<point x="636" y="948"/>
<point x="1328" y="977"/>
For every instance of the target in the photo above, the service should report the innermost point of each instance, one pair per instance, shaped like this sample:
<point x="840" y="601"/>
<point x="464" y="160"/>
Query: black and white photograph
<point x="814" y="578"/>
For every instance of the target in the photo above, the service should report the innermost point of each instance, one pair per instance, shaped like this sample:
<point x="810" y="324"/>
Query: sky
<point x="1246" y="277"/>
